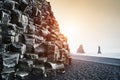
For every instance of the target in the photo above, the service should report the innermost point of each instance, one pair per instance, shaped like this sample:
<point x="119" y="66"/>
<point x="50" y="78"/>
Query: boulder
<point x="4" y="16"/>
<point x="10" y="4"/>
<point x="41" y="49"/>
<point x="23" y="5"/>
<point x="15" y="16"/>
<point x="17" y="47"/>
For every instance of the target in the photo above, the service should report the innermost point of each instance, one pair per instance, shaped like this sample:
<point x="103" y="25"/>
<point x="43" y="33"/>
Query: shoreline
<point x="104" y="55"/>
<point x="104" y="60"/>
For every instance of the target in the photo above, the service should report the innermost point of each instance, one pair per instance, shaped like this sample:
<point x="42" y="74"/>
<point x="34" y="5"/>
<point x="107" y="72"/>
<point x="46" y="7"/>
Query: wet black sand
<point x="85" y="70"/>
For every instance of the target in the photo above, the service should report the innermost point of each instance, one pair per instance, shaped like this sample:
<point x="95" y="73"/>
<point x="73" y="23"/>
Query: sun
<point x="68" y="30"/>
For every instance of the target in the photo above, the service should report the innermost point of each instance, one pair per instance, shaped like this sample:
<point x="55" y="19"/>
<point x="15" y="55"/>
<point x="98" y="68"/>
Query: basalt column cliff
<point x="30" y="40"/>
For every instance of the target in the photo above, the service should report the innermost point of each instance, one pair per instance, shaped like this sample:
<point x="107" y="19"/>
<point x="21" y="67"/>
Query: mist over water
<point x="108" y="55"/>
<point x="108" y="52"/>
<point x="92" y="23"/>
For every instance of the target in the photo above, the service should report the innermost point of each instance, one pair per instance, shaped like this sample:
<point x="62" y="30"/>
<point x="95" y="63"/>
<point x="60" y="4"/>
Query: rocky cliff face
<point x="30" y="39"/>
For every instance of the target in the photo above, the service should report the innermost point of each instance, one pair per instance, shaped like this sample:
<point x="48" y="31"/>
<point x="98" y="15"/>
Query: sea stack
<point x="80" y="49"/>
<point x="99" y="50"/>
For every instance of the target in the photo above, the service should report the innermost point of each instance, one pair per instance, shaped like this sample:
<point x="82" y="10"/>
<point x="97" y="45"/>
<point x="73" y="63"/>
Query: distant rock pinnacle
<point x="99" y="50"/>
<point x="80" y="49"/>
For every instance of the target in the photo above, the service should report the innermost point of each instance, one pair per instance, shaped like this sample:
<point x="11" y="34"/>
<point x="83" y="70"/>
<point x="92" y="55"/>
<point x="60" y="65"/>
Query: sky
<point x="92" y="23"/>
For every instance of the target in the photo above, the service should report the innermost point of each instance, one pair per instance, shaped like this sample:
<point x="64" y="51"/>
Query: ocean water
<point x="108" y="55"/>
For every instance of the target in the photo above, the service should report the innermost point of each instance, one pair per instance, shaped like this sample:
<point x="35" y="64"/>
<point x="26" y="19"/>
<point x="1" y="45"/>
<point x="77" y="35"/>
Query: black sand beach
<point x="85" y="70"/>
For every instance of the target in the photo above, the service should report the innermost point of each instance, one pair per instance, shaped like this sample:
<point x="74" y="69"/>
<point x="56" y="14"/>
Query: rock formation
<point x="99" y="50"/>
<point x="80" y="49"/>
<point x="30" y="40"/>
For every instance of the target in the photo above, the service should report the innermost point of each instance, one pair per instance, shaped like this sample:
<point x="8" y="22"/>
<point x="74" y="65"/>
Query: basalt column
<point x="30" y="40"/>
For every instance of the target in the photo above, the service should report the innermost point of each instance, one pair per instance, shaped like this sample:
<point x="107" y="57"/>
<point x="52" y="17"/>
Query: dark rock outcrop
<point x="30" y="40"/>
<point x="80" y="49"/>
<point x="99" y="50"/>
